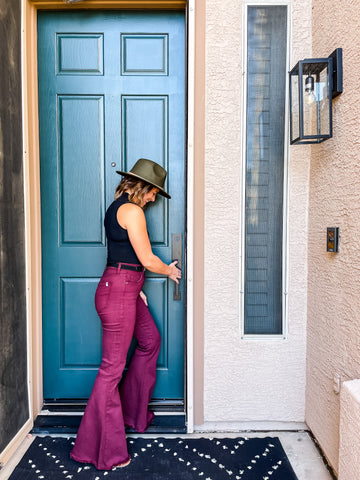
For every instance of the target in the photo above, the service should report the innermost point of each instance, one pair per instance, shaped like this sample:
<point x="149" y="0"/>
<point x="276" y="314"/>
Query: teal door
<point x="111" y="90"/>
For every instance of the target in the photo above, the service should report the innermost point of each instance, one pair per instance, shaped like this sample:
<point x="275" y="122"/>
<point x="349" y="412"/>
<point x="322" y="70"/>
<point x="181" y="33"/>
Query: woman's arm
<point x="132" y="218"/>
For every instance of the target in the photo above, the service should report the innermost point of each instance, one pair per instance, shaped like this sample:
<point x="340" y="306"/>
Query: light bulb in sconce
<point x="309" y="90"/>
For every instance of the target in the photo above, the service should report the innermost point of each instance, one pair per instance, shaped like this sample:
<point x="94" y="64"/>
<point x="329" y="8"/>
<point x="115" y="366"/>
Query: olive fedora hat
<point x="149" y="172"/>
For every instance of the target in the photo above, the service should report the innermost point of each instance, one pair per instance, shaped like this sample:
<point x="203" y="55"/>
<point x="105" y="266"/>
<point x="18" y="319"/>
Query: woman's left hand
<point x="143" y="297"/>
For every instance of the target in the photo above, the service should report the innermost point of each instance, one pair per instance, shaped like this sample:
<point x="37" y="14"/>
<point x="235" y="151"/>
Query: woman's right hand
<point x="175" y="272"/>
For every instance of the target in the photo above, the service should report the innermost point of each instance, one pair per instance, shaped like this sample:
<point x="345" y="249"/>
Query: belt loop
<point x="119" y="267"/>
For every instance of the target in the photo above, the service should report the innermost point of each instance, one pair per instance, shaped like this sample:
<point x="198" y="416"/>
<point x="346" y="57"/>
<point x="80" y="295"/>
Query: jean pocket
<point x="134" y="277"/>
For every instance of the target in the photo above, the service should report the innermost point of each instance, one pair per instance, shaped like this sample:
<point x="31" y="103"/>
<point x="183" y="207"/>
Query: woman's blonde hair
<point x="137" y="189"/>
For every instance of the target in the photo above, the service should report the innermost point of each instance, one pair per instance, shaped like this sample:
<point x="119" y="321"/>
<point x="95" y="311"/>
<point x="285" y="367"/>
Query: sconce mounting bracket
<point x="337" y="72"/>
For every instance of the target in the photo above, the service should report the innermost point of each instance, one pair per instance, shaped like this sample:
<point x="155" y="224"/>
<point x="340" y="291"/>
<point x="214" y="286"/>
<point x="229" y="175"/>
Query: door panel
<point x="76" y="152"/>
<point x="111" y="90"/>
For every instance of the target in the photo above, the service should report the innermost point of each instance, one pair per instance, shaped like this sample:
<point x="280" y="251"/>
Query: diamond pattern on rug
<point x="164" y="458"/>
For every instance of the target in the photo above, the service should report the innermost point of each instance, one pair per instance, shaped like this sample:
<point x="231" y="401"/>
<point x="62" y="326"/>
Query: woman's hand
<point x="175" y="273"/>
<point x="143" y="298"/>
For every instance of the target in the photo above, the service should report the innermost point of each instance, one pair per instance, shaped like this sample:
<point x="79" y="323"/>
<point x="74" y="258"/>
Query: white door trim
<point x="190" y="218"/>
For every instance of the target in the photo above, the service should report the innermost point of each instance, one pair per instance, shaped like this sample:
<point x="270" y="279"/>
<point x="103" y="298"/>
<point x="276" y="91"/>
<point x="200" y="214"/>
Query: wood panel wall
<point x="14" y="409"/>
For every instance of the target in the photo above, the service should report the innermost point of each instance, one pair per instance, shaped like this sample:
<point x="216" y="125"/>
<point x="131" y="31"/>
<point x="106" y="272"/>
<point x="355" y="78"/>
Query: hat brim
<point x="138" y="177"/>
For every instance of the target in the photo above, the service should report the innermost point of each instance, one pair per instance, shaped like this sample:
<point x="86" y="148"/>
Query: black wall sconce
<point x="314" y="82"/>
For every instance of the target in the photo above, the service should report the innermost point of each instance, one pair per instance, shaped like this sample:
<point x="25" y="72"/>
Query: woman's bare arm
<point x="132" y="218"/>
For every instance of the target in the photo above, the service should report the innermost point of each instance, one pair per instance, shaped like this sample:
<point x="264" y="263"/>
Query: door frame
<point x="32" y="193"/>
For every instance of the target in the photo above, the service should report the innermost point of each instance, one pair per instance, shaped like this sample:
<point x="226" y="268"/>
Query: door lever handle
<point x="176" y="254"/>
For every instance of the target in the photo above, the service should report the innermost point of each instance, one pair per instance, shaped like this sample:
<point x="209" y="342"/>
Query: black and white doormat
<point x="163" y="458"/>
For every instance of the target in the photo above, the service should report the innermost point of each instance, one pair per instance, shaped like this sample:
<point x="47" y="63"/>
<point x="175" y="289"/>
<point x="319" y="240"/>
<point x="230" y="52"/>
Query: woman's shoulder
<point x="130" y="215"/>
<point x="130" y="208"/>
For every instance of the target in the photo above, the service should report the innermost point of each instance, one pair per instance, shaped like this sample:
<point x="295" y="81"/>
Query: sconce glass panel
<point x="310" y="101"/>
<point x="294" y="110"/>
<point x="325" y="101"/>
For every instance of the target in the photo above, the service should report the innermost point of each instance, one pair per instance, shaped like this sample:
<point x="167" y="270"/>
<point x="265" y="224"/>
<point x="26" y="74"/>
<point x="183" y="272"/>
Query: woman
<point x="122" y="308"/>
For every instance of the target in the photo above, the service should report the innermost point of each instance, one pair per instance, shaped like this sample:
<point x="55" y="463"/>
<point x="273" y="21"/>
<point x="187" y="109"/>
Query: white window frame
<point x="285" y="239"/>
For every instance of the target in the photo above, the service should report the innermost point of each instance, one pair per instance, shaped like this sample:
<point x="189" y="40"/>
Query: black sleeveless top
<point x="119" y="246"/>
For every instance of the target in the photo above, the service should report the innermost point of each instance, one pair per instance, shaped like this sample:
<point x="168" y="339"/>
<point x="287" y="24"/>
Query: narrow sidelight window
<point x="264" y="183"/>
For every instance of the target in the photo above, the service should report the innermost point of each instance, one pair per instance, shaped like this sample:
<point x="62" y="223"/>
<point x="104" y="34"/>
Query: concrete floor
<point x="304" y="457"/>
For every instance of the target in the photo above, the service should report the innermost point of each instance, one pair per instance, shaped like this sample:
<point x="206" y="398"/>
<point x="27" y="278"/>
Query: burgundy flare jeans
<point x="101" y="437"/>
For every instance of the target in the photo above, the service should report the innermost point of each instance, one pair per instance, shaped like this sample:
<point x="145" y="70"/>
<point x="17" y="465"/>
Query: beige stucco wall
<point x="247" y="381"/>
<point x="333" y="288"/>
<point x="349" y="458"/>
